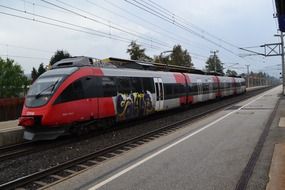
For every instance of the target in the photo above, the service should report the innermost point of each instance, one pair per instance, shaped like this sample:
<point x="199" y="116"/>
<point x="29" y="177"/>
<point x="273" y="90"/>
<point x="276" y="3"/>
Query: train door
<point x="234" y="85"/>
<point x="200" y="90"/>
<point x="211" y="94"/>
<point x="159" y="92"/>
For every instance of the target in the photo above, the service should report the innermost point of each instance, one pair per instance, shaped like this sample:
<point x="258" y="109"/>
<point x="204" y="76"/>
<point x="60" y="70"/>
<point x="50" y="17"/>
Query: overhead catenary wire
<point x="101" y="34"/>
<point x="128" y="30"/>
<point x="177" y="17"/>
<point x="86" y="30"/>
<point x="61" y="26"/>
<point x="167" y="33"/>
<point x="21" y="56"/>
<point x="106" y="24"/>
<point x="113" y="12"/>
<point x="69" y="23"/>
<point x="79" y="13"/>
<point x="56" y="20"/>
<point x="169" y="20"/>
<point x="40" y="5"/>
<point x="175" y="22"/>
<point x="26" y="48"/>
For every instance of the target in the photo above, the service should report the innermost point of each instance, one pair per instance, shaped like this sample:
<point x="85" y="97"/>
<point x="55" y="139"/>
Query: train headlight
<point x="26" y="121"/>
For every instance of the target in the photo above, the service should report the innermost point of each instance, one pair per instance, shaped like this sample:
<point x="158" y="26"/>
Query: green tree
<point x="214" y="64"/>
<point x="231" y="73"/>
<point x="59" y="55"/>
<point x="178" y="56"/>
<point x="41" y="69"/>
<point x="34" y="74"/>
<point x="12" y="79"/>
<point x="137" y="53"/>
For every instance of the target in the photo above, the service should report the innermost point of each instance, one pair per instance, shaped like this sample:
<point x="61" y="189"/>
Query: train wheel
<point x="80" y="130"/>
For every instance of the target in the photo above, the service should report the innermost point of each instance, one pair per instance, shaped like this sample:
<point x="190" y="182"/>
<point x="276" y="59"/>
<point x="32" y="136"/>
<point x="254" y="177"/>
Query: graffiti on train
<point x="134" y="105"/>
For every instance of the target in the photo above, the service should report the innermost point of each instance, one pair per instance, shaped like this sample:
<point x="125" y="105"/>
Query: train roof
<point x="59" y="71"/>
<point x="149" y="65"/>
<point x="119" y="63"/>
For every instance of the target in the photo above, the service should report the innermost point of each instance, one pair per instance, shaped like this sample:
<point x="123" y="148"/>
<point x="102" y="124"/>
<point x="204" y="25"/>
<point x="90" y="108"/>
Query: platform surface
<point x="9" y="125"/>
<point x="208" y="154"/>
<point x="277" y="169"/>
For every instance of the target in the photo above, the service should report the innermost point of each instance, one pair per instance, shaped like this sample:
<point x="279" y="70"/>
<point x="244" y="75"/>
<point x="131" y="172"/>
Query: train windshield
<point x="41" y="91"/>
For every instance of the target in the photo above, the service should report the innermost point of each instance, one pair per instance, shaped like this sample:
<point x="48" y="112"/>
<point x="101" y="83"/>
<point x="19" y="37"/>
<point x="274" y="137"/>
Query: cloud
<point x="242" y="22"/>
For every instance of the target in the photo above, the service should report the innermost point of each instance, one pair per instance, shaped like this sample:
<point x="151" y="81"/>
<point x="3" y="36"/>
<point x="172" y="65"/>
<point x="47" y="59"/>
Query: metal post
<point x="282" y="56"/>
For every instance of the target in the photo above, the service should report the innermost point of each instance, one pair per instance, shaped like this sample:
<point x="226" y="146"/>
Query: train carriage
<point x="70" y="98"/>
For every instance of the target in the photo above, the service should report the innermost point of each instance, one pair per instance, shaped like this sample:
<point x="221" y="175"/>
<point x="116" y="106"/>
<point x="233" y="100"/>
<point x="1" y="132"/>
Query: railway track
<point x="11" y="151"/>
<point x="25" y="148"/>
<point x="50" y="176"/>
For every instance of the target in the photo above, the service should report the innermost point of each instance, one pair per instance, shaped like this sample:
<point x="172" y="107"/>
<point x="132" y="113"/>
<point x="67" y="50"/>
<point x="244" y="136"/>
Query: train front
<point x="37" y="108"/>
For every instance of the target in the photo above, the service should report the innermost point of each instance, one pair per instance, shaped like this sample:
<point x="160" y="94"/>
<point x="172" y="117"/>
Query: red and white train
<point x="77" y="92"/>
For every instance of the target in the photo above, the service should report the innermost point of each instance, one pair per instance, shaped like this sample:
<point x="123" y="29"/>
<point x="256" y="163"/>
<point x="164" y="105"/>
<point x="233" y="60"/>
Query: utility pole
<point x="282" y="57"/>
<point x="247" y="66"/>
<point x="283" y="61"/>
<point x="215" y="58"/>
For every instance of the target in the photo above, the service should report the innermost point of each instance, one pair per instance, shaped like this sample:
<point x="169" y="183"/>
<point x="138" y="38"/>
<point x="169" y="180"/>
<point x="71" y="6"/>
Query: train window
<point x="211" y="87"/>
<point x="136" y="85"/>
<point x="215" y="87"/>
<point x="205" y="88"/>
<point x="157" y="91"/>
<point x="193" y="89"/>
<point x="124" y="85"/>
<point x="78" y="90"/>
<point x="168" y="90"/>
<point x="73" y="92"/>
<point x="190" y="89"/>
<point x="109" y="86"/>
<point x="148" y="84"/>
<point x="179" y="89"/>
<point x="227" y="85"/>
<point x="91" y="87"/>
<point x="161" y="91"/>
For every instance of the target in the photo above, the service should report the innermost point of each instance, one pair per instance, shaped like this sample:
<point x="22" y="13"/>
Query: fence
<point x="10" y="108"/>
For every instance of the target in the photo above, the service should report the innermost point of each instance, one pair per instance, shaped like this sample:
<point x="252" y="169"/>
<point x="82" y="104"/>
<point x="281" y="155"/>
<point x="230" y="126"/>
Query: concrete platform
<point x="9" y="125"/>
<point x="277" y="169"/>
<point x="208" y="154"/>
<point x="10" y="133"/>
<point x="269" y="171"/>
<point x="255" y="88"/>
<point x="282" y="122"/>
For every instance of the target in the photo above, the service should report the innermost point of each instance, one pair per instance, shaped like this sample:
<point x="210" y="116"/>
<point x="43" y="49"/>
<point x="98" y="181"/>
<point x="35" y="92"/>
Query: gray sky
<point x="234" y="24"/>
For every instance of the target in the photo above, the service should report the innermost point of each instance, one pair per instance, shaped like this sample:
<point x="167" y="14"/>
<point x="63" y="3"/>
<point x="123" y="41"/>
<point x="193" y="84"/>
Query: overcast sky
<point x="106" y="27"/>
